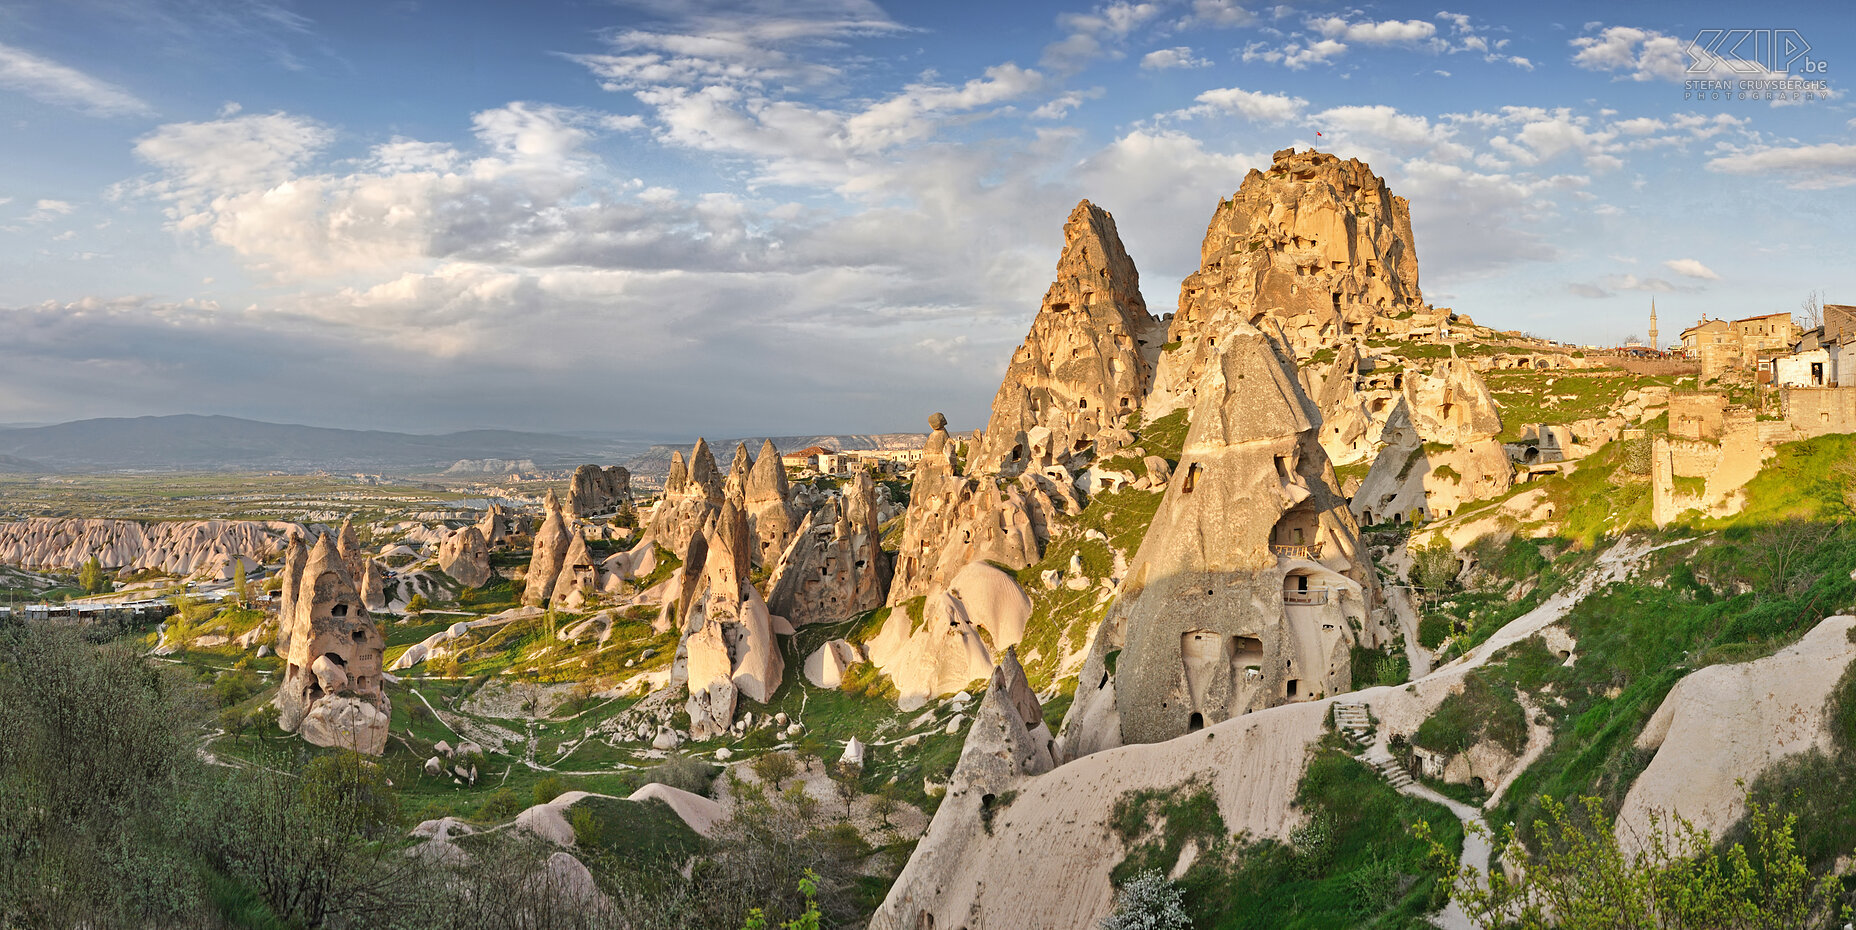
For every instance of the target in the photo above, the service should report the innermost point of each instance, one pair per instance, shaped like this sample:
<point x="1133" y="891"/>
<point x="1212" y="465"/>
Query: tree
<point x="241" y="589"/>
<point x="417" y="604"/>
<point x="92" y="578"/>
<point x="885" y="803"/>
<point x="234" y="721"/>
<point x="263" y="718"/>
<point x="774" y="768"/>
<point x="1149" y="901"/>
<point x="847" y="778"/>
<point x="1580" y="879"/>
<point x="1811" y="310"/>
<point x="1433" y="567"/>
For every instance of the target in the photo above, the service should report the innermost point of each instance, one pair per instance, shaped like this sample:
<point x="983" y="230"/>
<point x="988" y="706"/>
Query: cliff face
<point x="1315" y="248"/>
<point x="1250" y="586"/>
<point x="183" y="547"/>
<point x="1081" y="367"/>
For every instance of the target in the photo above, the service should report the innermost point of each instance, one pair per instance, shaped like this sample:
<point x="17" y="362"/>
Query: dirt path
<point x="1409" y="705"/>
<point x="1419" y="657"/>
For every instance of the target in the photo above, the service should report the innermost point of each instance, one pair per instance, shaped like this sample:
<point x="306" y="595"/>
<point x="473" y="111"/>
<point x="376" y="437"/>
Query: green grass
<point x="1370" y="871"/>
<point x="640" y="833"/>
<point x="1484" y="710"/>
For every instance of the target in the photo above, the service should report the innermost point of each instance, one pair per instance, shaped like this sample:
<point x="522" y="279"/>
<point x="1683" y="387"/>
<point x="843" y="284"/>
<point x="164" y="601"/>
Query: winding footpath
<point x="1409" y="704"/>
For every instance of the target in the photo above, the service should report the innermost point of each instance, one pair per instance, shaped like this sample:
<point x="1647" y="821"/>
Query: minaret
<point x="1653" y="343"/>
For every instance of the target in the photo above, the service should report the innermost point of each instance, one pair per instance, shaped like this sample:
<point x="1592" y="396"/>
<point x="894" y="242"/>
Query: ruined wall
<point x="1697" y="416"/>
<point x="1821" y="411"/>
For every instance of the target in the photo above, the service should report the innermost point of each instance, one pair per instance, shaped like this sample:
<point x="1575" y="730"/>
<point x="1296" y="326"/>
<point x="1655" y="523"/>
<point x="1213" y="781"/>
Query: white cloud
<point x="1805" y="167"/>
<point x="1690" y="268"/>
<point x="50" y="82"/>
<point x="1089" y="36"/>
<point x="1217" y="14"/>
<point x="1256" y="105"/>
<point x="1649" y="55"/>
<point x="1382" y="122"/>
<point x="1388" y="32"/>
<point x="47" y="210"/>
<point x="1176" y="57"/>
<point x="1313" y="53"/>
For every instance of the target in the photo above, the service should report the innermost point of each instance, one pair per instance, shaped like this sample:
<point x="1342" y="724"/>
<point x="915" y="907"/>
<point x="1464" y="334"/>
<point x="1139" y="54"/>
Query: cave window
<point x="1082" y="403"/>
<point x="360" y="637"/>
<point x="1293" y="683"/>
<point x="291" y="675"/>
<point x="1195" y="723"/>
<point x="1192" y="477"/>
<point x="360" y="681"/>
<point x="339" y="610"/>
<point x="1337" y="298"/>
<point x="1282" y="468"/>
<point x="338" y="660"/>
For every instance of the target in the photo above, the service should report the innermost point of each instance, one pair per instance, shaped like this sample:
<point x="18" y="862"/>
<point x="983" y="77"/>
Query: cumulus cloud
<point x="1690" y="268"/>
<point x="50" y="82"/>
<point x="1256" y="105"/>
<point x="1805" y="167"/>
<point x="1374" y="33"/>
<point x="1649" y="55"/>
<point x="44" y="211"/>
<point x="1177" y="57"/>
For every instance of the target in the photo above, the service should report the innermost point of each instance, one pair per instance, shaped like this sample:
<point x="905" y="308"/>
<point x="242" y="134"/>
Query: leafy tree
<point x="1433" y="567"/>
<point x="263" y="718"/>
<point x="1149" y="901"/>
<point x="809" y="920"/>
<point x="846" y="778"/>
<point x="1581" y="879"/>
<point x="417" y="604"/>
<point x="92" y="578"/>
<point x="774" y="768"/>
<point x="885" y="803"/>
<point x="241" y="588"/>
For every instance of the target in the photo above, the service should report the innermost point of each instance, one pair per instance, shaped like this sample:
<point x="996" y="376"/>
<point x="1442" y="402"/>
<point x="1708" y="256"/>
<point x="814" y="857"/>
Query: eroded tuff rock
<point x="331" y="692"/>
<point x="1081" y="368"/>
<point x="692" y="494"/>
<point x="598" y="491"/>
<point x="769" y="508"/>
<point x="550" y="552"/>
<point x="499" y="526"/>
<point x="578" y="581"/>
<point x="945" y="650"/>
<point x="834" y="569"/>
<point x="953" y="520"/>
<point x="1724" y="725"/>
<point x="1318" y="247"/>
<point x="465" y="556"/>
<point x="728" y="646"/>
<point x="1249" y="586"/>
<point x="1440" y="448"/>
<point x="184" y="547"/>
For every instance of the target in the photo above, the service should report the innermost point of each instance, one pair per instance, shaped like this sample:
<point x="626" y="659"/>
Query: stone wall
<point x="1821" y="411"/>
<point x="1697" y="416"/>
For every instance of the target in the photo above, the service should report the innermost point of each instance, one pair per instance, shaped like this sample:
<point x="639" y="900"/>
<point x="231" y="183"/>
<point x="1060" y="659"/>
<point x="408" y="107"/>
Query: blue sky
<point x="751" y="217"/>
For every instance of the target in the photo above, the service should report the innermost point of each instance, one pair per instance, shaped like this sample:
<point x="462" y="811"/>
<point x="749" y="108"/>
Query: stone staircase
<point x="1355" y="722"/>
<point x="1390" y="769"/>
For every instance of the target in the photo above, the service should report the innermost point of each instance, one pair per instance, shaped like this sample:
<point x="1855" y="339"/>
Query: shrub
<point x="1149" y="901"/>
<point x="774" y="768"/>
<point x="586" y="827"/>
<point x="549" y="788"/>
<point x="500" y="805"/>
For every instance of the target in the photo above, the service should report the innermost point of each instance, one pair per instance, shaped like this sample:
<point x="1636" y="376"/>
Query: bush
<point x="586" y="827"/>
<point x="500" y="805"/>
<point x="417" y="604"/>
<point x="692" y="775"/>
<point x="549" y="788"/>
<point x="1149" y="901"/>
<point x="774" y="768"/>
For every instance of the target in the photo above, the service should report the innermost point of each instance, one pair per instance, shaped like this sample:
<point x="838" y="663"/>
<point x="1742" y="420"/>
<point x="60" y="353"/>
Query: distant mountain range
<point x="213" y="443"/>
<point x="190" y="442"/>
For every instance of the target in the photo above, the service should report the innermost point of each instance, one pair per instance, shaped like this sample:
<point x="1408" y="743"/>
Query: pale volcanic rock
<point x="1317" y="246"/>
<point x="728" y="639"/>
<point x="826" y="665"/>
<point x="943" y="655"/>
<point x="1081" y="368"/>
<point x="1250" y="583"/>
<point x="181" y="547"/>
<point x="550" y="553"/>
<point x="373" y="586"/>
<point x="1725" y="724"/>
<point x="953" y="520"/>
<point x="597" y="491"/>
<point x="834" y="567"/>
<point x="331" y="692"/>
<point x="693" y="493"/>
<point x="993" y="601"/>
<point x="296" y="555"/>
<point x="465" y="556"/>
<point x="349" y="547"/>
<point x="1440" y="448"/>
<point x="770" y="513"/>
<point x="1009" y="738"/>
<point x="578" y="580"/>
